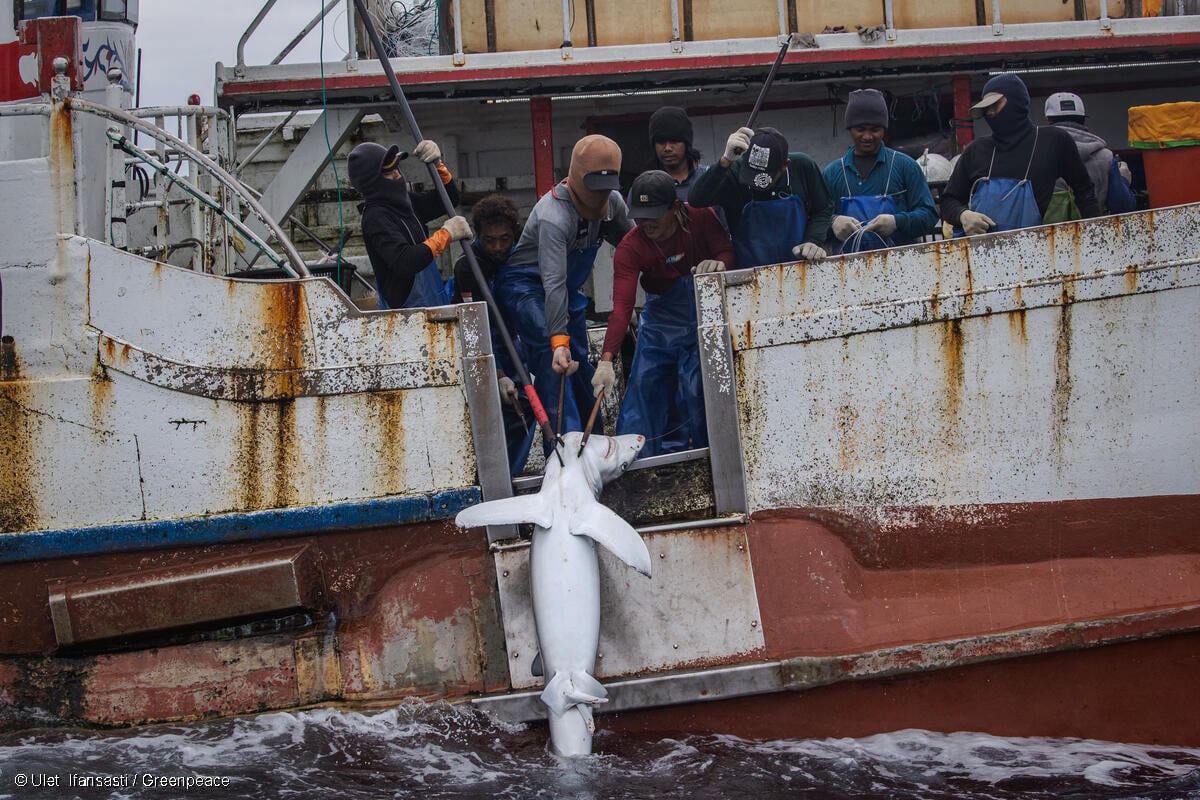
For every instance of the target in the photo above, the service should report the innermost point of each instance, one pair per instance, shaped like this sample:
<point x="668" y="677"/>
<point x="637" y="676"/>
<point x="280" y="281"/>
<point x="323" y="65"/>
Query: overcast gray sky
<point x="182" y="40"/>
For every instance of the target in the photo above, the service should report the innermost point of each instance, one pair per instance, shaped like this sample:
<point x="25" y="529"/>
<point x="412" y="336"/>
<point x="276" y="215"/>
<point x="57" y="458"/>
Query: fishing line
<point x="337" y="182"/>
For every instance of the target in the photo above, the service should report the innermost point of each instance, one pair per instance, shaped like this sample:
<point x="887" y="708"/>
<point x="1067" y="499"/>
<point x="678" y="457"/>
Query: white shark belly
<point x="565" y="577"/>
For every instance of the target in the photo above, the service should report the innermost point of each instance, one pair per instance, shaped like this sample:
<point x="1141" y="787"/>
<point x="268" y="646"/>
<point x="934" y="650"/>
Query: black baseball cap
<point x="602" y="179"/>
<point x="762" y="162"/>
<point x="392" y="158"/>
<point x="652" y="194"/>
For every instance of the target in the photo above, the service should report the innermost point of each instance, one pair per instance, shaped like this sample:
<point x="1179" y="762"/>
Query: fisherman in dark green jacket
<point x="775" y="202"/>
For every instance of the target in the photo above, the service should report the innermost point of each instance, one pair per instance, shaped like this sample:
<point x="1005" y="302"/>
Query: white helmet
<point x="936" y="167"/>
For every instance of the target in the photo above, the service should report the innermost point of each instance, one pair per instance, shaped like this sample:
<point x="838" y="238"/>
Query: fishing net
<point x="407" y="27"/>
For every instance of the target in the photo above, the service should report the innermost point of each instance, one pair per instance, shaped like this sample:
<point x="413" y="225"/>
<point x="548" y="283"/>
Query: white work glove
<point x="603" y="380"/>
<point x="737" y="143"/>
<point x="427" y="151"/>
<point x="458" y="228"/>
<point x="973" y="222"/>
<point x="809" y="252"/>
<point x="708" y="265"/>
<point x="844" y="227"/>
<point x="883" y="224"/>
<point x="508" y="389"/>
<point x="1123" y="168"/>
<point x="563" y="363"/>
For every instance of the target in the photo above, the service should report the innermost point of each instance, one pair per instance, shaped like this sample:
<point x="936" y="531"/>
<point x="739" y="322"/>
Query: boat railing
<point x="419" y="28"/>
<point x="181" y="171"/>
<point x="198" y="204"/>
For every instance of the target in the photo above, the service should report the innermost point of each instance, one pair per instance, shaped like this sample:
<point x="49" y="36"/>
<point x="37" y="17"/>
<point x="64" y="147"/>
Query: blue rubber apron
<point x="428" y="288"/>
<point x="666" y="372"/>
<point x="769" y="229"/>
<point x="1010" y="203"/>
<point x="519" y="292"/>
<point x="864" y="208"/>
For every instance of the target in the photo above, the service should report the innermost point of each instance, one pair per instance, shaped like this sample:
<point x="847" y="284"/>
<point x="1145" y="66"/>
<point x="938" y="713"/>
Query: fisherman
<point x="671" y="137"/>
<point x="1110" y="176"/>
<point x="497" y="225"/>
<point x="539" y="289"/>
<point x="1004" y="181"/>
<point x="671" y="242"/>
<point x="775" y="202"/>
<point x="882" y="196"/>
<point x="402" y="252"/>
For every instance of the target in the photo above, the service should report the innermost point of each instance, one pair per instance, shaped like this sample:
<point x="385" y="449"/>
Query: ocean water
<point x="443" y="751"/>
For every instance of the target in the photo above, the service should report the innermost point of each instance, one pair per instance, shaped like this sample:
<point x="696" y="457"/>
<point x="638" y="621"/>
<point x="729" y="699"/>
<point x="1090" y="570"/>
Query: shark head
<point x="602" y="459"/>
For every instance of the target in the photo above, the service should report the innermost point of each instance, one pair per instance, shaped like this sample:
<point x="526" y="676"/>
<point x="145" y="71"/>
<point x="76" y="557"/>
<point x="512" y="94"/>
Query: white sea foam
<point x="444" y="751"/>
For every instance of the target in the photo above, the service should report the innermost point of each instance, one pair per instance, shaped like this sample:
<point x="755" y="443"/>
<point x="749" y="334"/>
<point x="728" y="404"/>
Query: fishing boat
<point x="951" y="486"/>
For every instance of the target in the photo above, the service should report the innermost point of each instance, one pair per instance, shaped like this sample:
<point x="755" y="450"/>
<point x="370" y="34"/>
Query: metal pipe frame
<point x="305" y="31"/>
<point x="163" y="138"/>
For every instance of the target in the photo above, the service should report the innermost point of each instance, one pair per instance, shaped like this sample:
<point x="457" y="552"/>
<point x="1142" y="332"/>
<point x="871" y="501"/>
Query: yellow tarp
<point x="1166" y="125"/>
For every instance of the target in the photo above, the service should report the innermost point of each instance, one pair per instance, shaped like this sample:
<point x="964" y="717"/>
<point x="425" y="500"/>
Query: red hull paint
<point x="1027" y="591"/>
<point x="1143" y="691"/>
<point x="829" y="583"/>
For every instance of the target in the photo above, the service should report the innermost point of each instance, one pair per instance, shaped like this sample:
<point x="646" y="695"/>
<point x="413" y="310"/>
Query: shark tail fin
<point x="567" y="689"/>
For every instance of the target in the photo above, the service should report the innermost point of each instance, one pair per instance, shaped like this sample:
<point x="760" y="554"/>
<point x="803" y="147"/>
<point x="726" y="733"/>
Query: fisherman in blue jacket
<point x="881" y="195"/>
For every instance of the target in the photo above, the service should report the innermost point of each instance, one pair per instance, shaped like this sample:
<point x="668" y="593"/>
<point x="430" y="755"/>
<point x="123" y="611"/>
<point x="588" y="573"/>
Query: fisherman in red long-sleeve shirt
<point x="672" y="242"/>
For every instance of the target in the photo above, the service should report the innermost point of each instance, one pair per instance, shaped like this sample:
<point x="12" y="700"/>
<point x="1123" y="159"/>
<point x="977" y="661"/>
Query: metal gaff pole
<point x="762" y="93"/>
<point x="539" y="412"/>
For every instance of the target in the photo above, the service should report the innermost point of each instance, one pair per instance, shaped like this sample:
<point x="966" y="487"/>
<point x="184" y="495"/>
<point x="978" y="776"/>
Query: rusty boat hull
<point x="951" y="486"/>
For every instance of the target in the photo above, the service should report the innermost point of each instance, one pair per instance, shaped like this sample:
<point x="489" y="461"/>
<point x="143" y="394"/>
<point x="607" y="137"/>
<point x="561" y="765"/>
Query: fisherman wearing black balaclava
<point x="1005" y="181"/>
<point x="402" y="252"/>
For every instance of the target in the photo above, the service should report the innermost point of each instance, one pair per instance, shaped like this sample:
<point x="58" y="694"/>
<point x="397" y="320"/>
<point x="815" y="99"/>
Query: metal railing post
<point x="676" y="41"/>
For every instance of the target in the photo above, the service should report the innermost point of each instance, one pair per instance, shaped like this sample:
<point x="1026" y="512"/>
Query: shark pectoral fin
<point x="507" y="511"/>
<point x="616" y="535"/>
<point x="567" y="689"/>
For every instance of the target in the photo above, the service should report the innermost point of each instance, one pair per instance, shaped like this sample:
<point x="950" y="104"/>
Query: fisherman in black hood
<point x="1005" y="181"/>
<point x="402" y="252"/>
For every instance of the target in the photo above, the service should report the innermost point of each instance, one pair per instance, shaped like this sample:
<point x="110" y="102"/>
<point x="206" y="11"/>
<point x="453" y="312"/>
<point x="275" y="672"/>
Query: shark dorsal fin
<point x="600" y="524"/>
<point x="531" y="508"/>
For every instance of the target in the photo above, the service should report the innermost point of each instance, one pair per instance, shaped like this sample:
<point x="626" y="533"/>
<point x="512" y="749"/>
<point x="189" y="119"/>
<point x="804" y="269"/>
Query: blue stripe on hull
<point x="222" y="528"/>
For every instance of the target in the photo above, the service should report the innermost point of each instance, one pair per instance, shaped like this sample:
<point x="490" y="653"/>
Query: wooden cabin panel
<point x="1013" y="12"/>
<point x="934" y="14"/>
<point x="529" y="25"/>
<point x="817" y="15"/>
<point x="632" y="22"/>
<point x="711" y="20"/>
<point x="537" y="24"/>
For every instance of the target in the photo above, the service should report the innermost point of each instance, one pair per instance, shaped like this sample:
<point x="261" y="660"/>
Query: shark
<point x="568" y="522"/>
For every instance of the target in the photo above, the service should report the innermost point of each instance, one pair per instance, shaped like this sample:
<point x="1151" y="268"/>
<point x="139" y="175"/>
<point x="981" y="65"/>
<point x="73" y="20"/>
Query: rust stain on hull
<point x="1063" y="382"/>
<point x="952" y="359"/>
<point x="18" y="425"/>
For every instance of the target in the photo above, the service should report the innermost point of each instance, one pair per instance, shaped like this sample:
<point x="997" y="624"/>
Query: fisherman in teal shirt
<point x="880" y="195"/>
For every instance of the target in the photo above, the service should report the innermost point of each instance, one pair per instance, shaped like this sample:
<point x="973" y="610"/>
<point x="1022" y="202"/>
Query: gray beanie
<point x="866" y="107"/>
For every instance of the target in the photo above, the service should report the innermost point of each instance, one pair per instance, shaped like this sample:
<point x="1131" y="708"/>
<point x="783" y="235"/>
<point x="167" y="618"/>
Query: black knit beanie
<point x="866" y="107"/>
<point x="670" y="124"/>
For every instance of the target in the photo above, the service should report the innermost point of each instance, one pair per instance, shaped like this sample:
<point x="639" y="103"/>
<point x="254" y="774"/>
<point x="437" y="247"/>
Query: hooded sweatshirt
<point x="592" y="153"/>
<point x="393" y="221"/>
<point x="570" y="216"/>
<point x="1010" y="152"/>
<point x="1096" y="156"/>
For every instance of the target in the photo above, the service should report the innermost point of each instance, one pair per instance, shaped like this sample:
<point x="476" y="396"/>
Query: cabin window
<point x="87" y="10"/>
